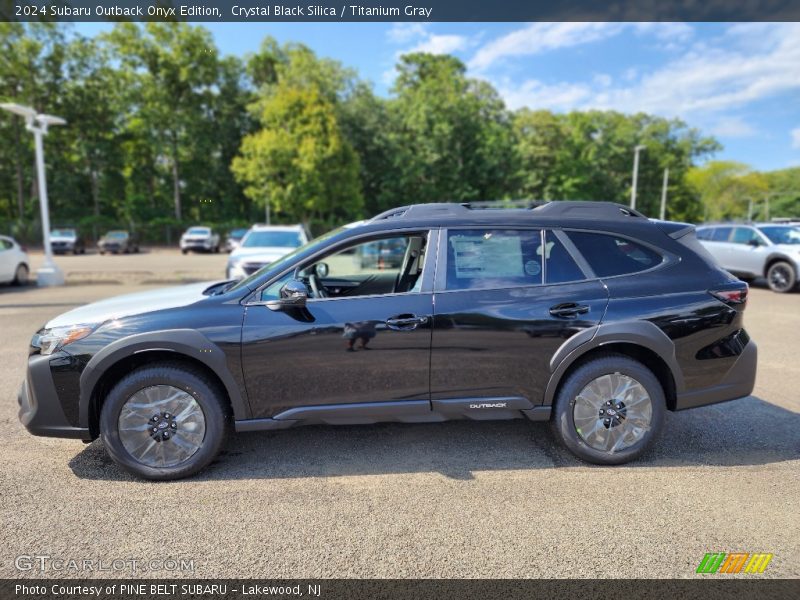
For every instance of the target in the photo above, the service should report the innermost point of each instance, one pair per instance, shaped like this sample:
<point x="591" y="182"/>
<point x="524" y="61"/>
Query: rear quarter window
<point x="610" y="255"/>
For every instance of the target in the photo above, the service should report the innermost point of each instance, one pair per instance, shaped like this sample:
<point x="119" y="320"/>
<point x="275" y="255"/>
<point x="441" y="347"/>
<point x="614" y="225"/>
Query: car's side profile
<point x="748" y="251"/>
<point x="584" y="314"/>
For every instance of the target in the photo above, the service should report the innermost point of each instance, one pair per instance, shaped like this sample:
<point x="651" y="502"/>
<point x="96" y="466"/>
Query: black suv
<point x="585" y="314"/>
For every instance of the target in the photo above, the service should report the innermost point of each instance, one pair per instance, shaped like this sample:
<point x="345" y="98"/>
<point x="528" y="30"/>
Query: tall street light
<point x="635" y="173"/>
<point x="49" y="273"/>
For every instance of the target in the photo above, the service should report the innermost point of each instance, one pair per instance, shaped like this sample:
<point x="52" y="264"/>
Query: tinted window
<point x="743" y="235"/>
<point x="705" y="233"/>
<point x="493" y="258"/>
<point x="266" y="239"/>
<point x="5" y="244"/>
<point x="782" y="235"/>
<point x="610" y="255"/>
<point x="721" y="234"/>
<point x="559" y="266"/>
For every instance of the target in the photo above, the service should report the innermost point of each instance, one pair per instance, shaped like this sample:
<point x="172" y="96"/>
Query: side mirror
<point x="293" y="295"/>
<point x="754" y="242"/>
<point x="321" y="269"/>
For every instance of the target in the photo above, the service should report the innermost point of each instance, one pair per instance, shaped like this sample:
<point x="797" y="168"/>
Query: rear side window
<point x="559" y="266"/>
<point x="609" y="255"/>
<point x="721" y="234"/>
<point x="493" y="258"/>
<point x="704" y="234"/>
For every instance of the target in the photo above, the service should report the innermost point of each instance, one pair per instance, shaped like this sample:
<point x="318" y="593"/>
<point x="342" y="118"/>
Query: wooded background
<point x="164" y="132"/>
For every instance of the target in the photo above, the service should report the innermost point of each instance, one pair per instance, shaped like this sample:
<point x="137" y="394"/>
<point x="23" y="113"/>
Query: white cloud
<point x="746" y="64"/>
<point x="733" y="127"/>
<point x="440" y="44"/>
<point x="795" y="137"/>
<point x="401" y="33"/>
<point x="542" y="37"/>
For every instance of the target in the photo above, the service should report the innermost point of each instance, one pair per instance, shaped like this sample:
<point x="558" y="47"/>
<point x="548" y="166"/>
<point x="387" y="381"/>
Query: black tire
<point x="563" y="422"/>
<point x="781" y="277"/>
<point x="21" y="274"/>
<point x="184" y="251"/>
<point x="193" y="381"/>
<point x="102" y="252"/>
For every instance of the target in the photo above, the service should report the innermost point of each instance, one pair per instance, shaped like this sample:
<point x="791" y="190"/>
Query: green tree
<point x="299" y="160"/>
<point x="726" y="189"/>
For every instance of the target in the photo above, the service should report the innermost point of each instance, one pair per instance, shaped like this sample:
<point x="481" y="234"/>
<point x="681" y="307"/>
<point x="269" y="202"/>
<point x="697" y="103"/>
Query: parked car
<point x="262" y="245"/>
<point x="14" y="262"/>
<point x="118" y="241"/>
<point x="64" y="241"/>
<point x="382" y="254"/>
<point x="761" y="250"/>
<point x="234" y="239"/>
<point x="584" y="314"/>
<point x="199" y="238"/>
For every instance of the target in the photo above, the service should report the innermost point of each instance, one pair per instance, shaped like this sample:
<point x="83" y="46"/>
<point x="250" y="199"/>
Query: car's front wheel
<point x="781" y="277"/>
<point x="609" y="410"/>
<point x="164" y="421"/>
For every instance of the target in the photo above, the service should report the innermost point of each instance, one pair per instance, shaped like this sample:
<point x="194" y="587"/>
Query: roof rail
<point x="590" y="209"/>
<point x="566" y="208"/>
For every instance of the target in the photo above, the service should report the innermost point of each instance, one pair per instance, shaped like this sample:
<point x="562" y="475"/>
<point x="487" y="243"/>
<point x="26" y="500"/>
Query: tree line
<point x="163" y="131"/>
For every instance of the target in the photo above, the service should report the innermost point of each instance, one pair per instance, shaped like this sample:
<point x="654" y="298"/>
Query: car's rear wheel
<point x="781" y="277"/>
<point x="609" y="410"/>
<point x="164" y="421"/>
<point x="21" y="275"/>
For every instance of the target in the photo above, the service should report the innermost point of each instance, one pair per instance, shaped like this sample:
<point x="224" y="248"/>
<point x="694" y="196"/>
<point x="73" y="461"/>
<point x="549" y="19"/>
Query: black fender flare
<point x="640" y="333"/>
<point x="186" y="342"/>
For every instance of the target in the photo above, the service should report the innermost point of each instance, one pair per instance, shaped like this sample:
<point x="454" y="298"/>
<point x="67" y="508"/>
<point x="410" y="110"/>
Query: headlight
<point x="51" y="340"/>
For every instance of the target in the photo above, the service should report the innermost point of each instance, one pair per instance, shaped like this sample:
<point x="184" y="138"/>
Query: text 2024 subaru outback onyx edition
<point x="586" y="314"/>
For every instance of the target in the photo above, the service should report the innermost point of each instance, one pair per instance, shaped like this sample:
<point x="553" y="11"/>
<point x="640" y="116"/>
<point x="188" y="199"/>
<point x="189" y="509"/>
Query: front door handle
<point x="405" y="322"/>
<point x="568" y="310"/>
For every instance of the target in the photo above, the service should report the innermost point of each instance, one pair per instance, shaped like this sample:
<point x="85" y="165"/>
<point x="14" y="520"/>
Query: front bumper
<point x="40" y="408"/>
<point x="737" y="383"/>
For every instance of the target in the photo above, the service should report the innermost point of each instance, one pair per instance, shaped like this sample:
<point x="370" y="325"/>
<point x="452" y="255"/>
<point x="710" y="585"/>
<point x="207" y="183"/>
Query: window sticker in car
<point x="489" y="255"/>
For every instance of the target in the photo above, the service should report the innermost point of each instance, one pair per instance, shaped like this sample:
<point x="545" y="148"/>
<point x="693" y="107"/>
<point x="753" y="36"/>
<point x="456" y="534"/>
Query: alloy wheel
<point x="613" y="412"/>
<point x="161" y="426"/>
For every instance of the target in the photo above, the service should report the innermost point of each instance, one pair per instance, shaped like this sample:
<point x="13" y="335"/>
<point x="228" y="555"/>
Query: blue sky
<point x="738" y="82"/>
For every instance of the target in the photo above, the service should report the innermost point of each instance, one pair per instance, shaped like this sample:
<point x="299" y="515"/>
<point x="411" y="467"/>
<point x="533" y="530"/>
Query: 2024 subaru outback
<point x="585" y="314"/>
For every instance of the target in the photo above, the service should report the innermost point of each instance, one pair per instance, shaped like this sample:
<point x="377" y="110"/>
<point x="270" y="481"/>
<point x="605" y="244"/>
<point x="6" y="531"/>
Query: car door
<point x="367" y="341"/>
<point x="506" y="299"/>
<point x="8" y="262"/>
<point x="749" y="251"/>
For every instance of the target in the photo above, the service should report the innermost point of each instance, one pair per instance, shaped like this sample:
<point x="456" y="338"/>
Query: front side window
<point x="744" y="235"/>
<point x="493" y="258"/>
<point x="609" y="255"/>
<point x="390" y="265"/>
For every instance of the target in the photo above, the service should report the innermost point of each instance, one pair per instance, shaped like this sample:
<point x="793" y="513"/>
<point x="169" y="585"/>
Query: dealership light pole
<point x="636" y="151"/>
<point x="663" y="215"/>
<point x="49" y="273"/>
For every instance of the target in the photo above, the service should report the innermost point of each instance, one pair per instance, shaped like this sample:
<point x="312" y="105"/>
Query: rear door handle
<point x="569" y="309"/>
<point x="405" y="322"/>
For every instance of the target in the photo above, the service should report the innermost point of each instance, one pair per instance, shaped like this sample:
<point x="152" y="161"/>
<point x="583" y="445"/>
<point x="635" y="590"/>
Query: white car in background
<point x="760" y="250"/>
<point x="14" y="262"/>
<point x="262" y="245"/>
<point x="200" y="238"/>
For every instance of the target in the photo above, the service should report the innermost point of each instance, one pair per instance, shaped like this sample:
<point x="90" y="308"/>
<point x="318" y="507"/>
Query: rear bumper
<point x="737" y="383"/>
<point x="40" y="410"/>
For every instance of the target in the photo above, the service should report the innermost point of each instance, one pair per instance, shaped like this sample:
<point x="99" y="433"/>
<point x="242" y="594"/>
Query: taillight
<point x="737" y="295"/>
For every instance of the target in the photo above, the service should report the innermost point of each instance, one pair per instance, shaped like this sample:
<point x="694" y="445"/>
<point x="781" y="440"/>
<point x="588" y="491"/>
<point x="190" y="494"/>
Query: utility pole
<point x="664" y="195"/>
<point x="267" y="212"/>
<point x="636" y="151"/>
<point x="749" y="210"/>
<point x="49" y="273"/>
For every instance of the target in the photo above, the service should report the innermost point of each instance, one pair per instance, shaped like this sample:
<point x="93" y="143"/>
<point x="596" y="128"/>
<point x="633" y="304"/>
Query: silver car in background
<point x="262" y="245"/>
<point x="760" y="250"/>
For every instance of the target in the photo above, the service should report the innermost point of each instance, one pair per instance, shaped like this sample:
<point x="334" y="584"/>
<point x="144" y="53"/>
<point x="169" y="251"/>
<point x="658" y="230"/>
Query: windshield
<point x="63" y="233"/>
<point x="117" y="234"/>
<point x="284" y="262"/>
<point x="782" y="234"/>
<point x="266" y="239"/>
<point x="198" y="231"/>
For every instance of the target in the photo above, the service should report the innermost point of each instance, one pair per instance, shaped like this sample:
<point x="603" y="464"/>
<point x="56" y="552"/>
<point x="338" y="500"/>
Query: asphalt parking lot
<point x="456" y="499"/>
